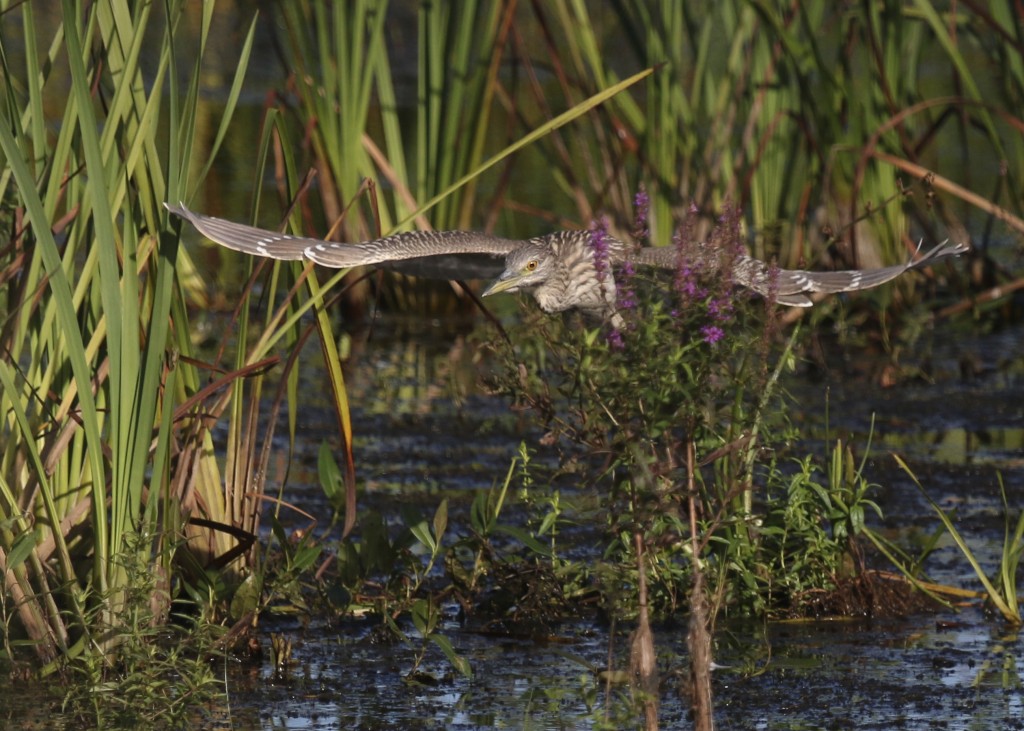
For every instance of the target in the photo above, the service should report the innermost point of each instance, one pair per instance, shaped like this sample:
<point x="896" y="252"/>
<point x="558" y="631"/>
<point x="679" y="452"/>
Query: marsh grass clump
<point x="160" y="674"/>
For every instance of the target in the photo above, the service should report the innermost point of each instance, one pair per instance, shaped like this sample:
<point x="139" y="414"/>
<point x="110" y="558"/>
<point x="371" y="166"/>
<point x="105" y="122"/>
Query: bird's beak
<point x="507" y="282"/>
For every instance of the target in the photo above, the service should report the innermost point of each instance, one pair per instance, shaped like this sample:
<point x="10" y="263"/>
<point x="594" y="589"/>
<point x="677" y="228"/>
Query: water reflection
<point x="961" y="446"/>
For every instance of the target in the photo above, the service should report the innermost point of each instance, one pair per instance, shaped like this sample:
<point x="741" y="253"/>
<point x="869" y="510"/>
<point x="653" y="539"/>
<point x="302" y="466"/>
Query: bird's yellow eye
<point x="531" y="265"/>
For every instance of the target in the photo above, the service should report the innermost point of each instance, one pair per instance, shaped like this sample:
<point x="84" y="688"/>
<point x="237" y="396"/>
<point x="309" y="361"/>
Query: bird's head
<point x="525" y="268"/>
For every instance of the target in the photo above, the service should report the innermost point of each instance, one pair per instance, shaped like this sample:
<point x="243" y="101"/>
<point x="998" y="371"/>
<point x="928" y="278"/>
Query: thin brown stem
<point x="699" y="638"/>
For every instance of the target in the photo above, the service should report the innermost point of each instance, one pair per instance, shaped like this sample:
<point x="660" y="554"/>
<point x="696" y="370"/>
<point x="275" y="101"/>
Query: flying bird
<point x="561" y="270"/>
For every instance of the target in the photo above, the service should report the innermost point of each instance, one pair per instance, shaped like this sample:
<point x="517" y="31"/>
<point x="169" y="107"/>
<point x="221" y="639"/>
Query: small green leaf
<point x="420" y="613"/>
<point x="857" y="518"/>
<point x="441" y="520"/>
<point x="247" y="597"/>
<point x="458" y="662"/>
<point x="376" y="551"/>
<point x="525" y="538"/>
<point x="338" y="596"/>
<point x="349" y="566"/>
<point x="478" y="514"/>
<point x="21" y="549"/>
<point x="305" y="557"/>
<point x="278" y="530"/>
<point x="422" y="534"/>
<point x="547" y="523"/>
<point x="331" y="480"/>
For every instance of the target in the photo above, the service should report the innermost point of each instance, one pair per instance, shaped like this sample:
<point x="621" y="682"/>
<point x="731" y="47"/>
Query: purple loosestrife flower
<point x="626" y="295"/>
<point x="729" y="240"/>
<point x="625" y="303"/>
<point x="720" y="308"/>
<point x="687" y="286"/>
<point x="600" y="243"/>
<point x="712" y="334"/>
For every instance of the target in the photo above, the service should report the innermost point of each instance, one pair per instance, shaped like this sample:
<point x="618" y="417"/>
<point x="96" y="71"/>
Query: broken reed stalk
<point x="699" y="638"/>
<point x="642" y="657"/>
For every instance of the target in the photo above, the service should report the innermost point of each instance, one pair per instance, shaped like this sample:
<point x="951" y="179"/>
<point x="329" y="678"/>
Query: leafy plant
<point x="389" y="576"/>
<point x="159" y="675"/>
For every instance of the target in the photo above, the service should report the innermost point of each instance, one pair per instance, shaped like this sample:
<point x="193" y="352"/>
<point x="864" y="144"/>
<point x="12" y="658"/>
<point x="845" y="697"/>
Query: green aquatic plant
<point x="1001" y="590"/>
<point x="106" y="453"/>
<point x="100" y="444"/>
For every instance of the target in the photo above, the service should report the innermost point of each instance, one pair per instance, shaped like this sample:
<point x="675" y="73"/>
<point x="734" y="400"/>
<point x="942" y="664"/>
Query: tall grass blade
<point x="1009" y="610"/>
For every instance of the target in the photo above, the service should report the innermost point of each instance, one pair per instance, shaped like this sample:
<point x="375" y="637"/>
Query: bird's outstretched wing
<point x="443" y="254"/>
<point x="793" y="286"/>
<point x="798" y="283"/>
<point x="471" y="255"/>
<point x="247" y="239"/>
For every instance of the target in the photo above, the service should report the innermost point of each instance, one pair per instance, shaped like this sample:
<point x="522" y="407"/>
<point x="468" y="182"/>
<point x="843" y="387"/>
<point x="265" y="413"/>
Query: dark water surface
<point x="910" y="674"/>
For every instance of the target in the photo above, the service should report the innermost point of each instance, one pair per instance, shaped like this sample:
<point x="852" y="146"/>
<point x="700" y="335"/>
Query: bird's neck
<point x="551" y="296"/>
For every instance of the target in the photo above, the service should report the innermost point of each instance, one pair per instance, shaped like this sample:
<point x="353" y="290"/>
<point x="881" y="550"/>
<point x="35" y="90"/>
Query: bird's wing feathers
<point x="412" y="248"/>
<point x="791" y="286"/>
<point x="796" y="282"/>
<point x="247" y="239"/>
<point x="662" y="257"/>
<point x="409" y="245"/>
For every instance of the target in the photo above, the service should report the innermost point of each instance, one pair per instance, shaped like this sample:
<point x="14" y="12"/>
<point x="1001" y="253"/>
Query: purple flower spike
<point x="599" y="242"/>
<point x="687" y="273"/>
<point x="642" y="206"/>
<point x="615" y="341"/>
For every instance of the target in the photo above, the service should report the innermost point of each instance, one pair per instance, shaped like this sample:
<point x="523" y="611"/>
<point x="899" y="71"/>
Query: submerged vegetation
<point x="134" y="555"/>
